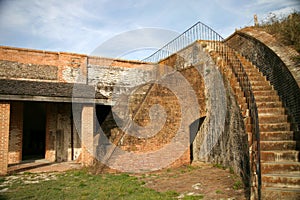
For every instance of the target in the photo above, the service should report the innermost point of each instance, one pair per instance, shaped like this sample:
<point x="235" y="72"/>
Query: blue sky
<point x="82" y="25"/>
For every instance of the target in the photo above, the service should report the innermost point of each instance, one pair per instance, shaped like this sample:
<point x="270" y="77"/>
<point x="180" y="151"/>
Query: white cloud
<point x="80" y="25"/>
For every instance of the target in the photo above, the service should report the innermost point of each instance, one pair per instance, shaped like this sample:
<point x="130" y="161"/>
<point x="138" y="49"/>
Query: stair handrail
<point x="198" y="31"/>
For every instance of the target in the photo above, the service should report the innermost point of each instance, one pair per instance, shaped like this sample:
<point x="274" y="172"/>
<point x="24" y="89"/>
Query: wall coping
<point x="282" y="51"/>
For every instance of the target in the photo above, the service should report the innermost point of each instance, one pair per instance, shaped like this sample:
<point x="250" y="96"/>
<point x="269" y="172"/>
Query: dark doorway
<point x="194" y="128"/>
<point x="105" y="119"/>
<point x="34" y="130"/>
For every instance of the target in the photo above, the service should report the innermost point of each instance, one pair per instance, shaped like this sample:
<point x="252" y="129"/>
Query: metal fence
<point x="199" y="31"/>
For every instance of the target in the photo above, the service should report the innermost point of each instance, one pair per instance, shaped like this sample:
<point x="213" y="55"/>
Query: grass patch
<point x="196" y="197"/>
<point x="237" y="185"/>
<point x="219" y="192"/>
<point x="219" y="166"/>
<point x="82" y="185"/>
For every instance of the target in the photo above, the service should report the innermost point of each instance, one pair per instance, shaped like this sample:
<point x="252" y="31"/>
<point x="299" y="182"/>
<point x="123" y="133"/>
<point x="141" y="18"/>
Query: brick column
<point x="15" y="133"/>
<point x="87" y="132"/>
<point x="4" y="135"/>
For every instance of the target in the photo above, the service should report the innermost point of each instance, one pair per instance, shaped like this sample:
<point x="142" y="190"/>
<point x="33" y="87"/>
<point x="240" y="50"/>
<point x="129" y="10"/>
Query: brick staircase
<point x="280" y="166"/>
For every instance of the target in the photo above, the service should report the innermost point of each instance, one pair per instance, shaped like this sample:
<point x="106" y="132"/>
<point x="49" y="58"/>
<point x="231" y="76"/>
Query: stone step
<point x="276" y="136"/>
<point x="264" y="93"/>
<point x="266" y="98"/>
<point x="277" y="145"/>
<point x="270" y="111"/>
<point x="261" y="87"/>
<point x="259" y="83"/>
<point x="258" y="78"/>
<point x="274" y="127"/>
<point x="284" y="193"/>
<point x="252" y="74"/>
<point x="281" y="180"/>
<point x="279" y="156"/>
<point x="265" y="119"/>
<point x="280" y="167"/>
<point x="250" y="69"/>
<point x="273" y="104"/>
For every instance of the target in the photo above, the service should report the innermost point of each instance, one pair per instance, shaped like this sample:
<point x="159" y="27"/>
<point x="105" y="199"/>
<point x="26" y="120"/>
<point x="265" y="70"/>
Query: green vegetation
<point x="285" y="29"/>
<point x="219" y="192"/>
<point x="217" y="165"/>
<point x="237" y="185"/>
<point x="196" y="197"/>
<point x="81" y="185"/>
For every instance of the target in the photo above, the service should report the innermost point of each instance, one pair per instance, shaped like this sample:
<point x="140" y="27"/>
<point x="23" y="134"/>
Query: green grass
<point x="197" y="197"/>
<point x="219" y="192"/>
<point x="237" y="185"/>
<point x="82" y="185"/>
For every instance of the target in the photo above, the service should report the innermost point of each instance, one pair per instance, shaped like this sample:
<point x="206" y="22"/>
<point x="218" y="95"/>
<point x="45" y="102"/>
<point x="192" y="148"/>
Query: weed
<point x="219" y="192"/>
<point x="219" y="166"/>
<point x="231" y="171"/>
<point x="237" y="185"/>
<point x="285" y="29"/>
<point x="195" y="197"/>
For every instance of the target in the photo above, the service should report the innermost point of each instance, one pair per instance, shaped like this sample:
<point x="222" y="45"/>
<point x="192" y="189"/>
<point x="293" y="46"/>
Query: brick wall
<point x="4" y="135"/>
<point x="19" y="63"/>
<point x="15" y="132"/>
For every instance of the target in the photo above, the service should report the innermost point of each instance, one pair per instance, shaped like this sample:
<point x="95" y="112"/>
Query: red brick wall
<point x="4" y="135"/>
<point x="15" y="133"/>
<point x="65" y="62"/>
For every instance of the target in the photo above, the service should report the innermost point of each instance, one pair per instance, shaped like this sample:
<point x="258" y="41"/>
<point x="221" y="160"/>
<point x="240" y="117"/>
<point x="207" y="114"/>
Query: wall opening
<point x="34" y="130"/>
<point x="194" y="129"/>
<point x="102" y="112"/>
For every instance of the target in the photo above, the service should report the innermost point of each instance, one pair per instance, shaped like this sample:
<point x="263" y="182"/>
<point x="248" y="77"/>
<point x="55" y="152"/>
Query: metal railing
<point x="199" y="31"/>
<point x="202" y="32"/>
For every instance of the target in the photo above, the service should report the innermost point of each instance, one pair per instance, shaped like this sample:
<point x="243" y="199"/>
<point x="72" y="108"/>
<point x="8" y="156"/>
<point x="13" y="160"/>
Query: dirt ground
<point x="200" y="181"/>
<point x="203" y="180"/>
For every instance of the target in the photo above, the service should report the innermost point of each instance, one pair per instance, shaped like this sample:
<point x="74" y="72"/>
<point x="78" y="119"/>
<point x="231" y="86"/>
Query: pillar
<point x="87" y="132"/>
<point x="4" y="135"/>
<point x="15" y="133"/>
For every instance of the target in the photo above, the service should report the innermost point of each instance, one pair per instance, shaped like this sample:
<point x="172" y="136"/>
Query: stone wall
<point x="116" y="76"/>
<point x="29" y="64"/>
<point x="275" y="62"/>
